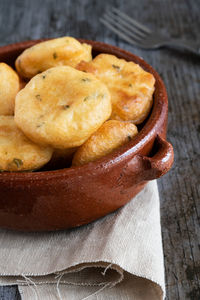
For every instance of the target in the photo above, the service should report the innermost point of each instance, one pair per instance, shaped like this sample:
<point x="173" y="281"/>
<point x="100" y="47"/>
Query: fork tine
<point x="119" y="33"/>
<point x="121" y="21"/>
<point x="121" y="28"/>
<point x="132" y="21"/>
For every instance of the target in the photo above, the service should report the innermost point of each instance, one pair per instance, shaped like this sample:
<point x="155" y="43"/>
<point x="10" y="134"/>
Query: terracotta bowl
<point x="69" y="197"/>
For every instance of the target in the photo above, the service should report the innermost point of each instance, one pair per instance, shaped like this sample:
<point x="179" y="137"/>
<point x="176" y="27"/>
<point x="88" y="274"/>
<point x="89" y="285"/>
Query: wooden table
<point x="180" y="189"/>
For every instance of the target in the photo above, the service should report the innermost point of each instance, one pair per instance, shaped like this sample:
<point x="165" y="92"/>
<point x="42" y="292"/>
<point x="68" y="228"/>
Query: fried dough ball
<point x="17" y="152"/>
<point x="55" y="52"/>
<point x="62" y="107"/>
<point x="131" y="87"/>
<point x="9" y="87"/>
<point x="111" y="135"/>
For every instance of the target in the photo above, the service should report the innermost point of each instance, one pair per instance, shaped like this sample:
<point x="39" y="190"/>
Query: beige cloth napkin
<point x="118" y="257"/>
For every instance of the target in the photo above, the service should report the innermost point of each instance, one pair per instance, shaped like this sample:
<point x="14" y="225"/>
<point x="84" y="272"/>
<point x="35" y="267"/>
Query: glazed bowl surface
<point x="68" y="197"/>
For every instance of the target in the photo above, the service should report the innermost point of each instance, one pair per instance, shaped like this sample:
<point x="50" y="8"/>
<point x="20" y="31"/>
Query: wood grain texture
<point x="180" y="189"/>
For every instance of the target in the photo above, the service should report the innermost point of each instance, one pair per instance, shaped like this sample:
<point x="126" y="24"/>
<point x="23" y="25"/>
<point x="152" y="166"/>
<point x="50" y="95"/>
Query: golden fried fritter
<point x="9" y="87"/>
<point x="17" y="152"/>
<point x="131" y="87"/>
<point x="48" y="54"/>
<point x="111" y="135"/>
<point x="62" y="107"/>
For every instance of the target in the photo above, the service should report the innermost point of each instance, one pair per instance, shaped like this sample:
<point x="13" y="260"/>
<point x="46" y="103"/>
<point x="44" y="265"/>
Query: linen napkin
<point x="118" y="257"/>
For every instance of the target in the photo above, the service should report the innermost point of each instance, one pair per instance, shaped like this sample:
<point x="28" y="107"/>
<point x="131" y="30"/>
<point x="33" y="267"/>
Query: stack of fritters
<point x="68" y="105"/>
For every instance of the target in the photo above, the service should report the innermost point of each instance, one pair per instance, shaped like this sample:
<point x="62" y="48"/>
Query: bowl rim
<point x="159" y="109"/>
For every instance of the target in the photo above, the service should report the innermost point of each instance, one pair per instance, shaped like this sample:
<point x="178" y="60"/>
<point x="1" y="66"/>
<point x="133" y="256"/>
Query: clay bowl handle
<point x="152" y="167"/>
<point x="162" y="160"/>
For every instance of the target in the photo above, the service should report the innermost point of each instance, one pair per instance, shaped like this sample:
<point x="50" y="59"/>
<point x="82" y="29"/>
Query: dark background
<point x="180" y="189"/>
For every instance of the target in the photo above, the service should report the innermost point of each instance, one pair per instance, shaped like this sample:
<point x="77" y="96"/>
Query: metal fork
<point x="139" y="35"/>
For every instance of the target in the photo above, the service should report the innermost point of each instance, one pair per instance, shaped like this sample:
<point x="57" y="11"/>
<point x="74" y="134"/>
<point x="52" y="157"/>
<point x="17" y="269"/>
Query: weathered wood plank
<point x="180" y="189"/>
<point x="9" y="293"/>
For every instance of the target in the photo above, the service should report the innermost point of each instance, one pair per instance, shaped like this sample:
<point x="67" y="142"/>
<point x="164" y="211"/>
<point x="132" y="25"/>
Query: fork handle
<point x="189" y="46"/>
